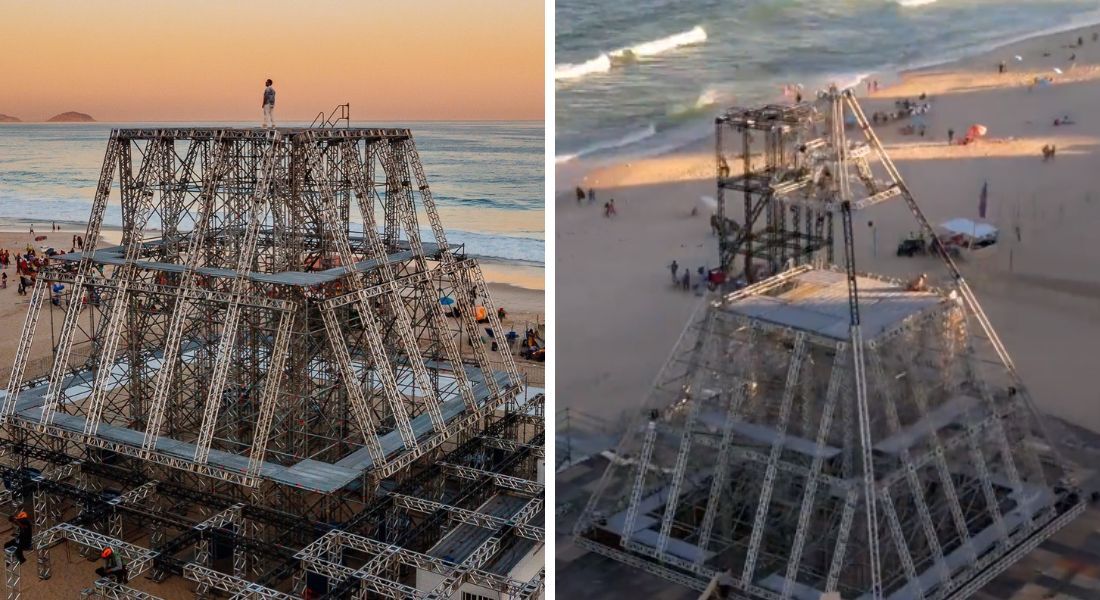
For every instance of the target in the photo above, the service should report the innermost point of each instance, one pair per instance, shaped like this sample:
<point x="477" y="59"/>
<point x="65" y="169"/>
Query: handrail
<point x="332" y="120"/>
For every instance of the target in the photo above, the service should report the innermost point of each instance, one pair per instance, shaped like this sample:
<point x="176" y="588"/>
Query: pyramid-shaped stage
<point x="287" y="323"/>
<point x="823" y="430"/>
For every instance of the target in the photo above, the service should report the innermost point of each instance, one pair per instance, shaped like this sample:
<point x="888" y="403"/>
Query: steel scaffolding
<point x="288" y="361"/>
<point x="823" y="430"/>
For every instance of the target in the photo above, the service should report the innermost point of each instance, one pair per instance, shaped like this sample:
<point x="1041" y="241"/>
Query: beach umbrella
<point x="977" y="130"/>
<point x="446" y="300"/>
<point x="1019" y="58"/>
<point x="1057" y="70"/>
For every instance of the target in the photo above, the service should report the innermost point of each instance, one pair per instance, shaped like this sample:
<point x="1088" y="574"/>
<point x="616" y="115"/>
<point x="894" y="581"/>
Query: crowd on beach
<point x="609" y="209"/>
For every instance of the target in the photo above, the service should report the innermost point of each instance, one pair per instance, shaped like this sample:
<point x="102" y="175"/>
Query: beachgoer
<point x="607" y="210"/>
<point x="611" y="212"/>
<point x="1080" y="41"/>
<point x="269" y="105"/>
<point x="591" y="196"/>
<point x="950" y="136"/>
<point x="674" y="267"/>
<point x="580" y="195"/>
<point x="686" y="281"/>
<point x="876" y="85"/>
<point x="1001" y="67"/>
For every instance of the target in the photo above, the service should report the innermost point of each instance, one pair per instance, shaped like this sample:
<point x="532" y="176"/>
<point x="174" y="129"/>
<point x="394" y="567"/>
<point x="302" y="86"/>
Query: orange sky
<point x="130" y="60"/>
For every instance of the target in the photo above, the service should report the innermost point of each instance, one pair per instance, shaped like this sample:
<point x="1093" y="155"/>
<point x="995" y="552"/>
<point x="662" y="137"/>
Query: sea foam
<point x="606" y="60"/>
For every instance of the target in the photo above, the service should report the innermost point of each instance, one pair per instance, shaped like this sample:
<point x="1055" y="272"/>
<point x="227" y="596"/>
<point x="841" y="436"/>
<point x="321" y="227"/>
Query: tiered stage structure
<point x="822" y="432"/>
<point x="286" y="388"/>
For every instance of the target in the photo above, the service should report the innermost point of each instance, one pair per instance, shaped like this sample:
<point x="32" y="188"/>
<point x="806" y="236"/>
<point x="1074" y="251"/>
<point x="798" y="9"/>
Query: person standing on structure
<point x="269" y="105"/>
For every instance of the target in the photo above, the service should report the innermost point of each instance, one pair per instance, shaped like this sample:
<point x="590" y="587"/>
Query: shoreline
<point x="579" y="169"/>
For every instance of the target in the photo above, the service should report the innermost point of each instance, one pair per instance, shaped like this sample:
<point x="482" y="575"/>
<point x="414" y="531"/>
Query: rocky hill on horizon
<point x="71" y="117"/>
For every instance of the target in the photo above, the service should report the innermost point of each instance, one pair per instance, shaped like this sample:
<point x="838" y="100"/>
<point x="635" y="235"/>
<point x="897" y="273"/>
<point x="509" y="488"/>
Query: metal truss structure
<point x="272" y="371"/>
<point x="823" y="430"/>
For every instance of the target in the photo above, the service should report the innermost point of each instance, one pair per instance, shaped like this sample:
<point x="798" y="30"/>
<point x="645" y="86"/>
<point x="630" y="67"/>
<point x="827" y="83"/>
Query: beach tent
<point x="977" y="130"/>
<point x="970" y="233"/>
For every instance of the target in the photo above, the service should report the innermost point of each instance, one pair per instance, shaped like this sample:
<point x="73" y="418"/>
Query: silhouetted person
<point x="269" y="105"/>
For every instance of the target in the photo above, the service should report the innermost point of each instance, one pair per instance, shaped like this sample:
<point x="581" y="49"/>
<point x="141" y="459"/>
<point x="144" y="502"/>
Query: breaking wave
<point x="631" y="138"/>
<point x="911" y="3"/>
<point x="600" y="64"/>
<point x="605" y="61"/>
<point x="688" y="38"/>
<point x="707" y="99"/>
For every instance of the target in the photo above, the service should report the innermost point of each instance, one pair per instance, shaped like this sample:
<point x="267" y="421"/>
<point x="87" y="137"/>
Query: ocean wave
<point x="912" y="3"/>
<point x="600" y="64"/>
<point x="498" y="247"/>
<point x="707" y="100"/>
<point x="631" y="138"/>
<point x="696" y="35"/>
<point x="607" y="60"/>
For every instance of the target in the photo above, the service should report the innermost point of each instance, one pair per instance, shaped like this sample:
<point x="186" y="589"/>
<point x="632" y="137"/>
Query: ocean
<point x="486" y="177"/>
<point x="645" y="77"/>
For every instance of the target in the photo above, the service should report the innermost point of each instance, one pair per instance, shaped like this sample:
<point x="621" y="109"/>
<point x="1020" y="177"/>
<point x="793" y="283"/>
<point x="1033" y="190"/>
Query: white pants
<point x="269" y="115"/>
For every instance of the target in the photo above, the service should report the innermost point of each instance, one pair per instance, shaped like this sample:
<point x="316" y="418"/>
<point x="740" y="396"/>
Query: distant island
<point x="71" y="117"/>
<point x="9" y="119"/>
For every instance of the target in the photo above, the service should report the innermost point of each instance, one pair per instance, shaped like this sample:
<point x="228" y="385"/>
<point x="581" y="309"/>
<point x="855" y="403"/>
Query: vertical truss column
<point x="915" y="487"/>
<point x="41" y="512"/>
<point x="375" y="340"/>
<point x="212" y="175"/>
<point x="363" y="193"/>
<point x="266" y="414"/>
<point x="227" y="344"/>
<point x="809" y="494"/>
<point x="84" y="271"/>
<point x="793" y="370"/>
<point x="700" y="367"/>
<point x="358" y="400"/>
<point x="11" y="574"/>
<point x="639" y="483"/>
<point x="22" y="353"/>
<point x="448" y="258"/>
<point x="140" y="197"/>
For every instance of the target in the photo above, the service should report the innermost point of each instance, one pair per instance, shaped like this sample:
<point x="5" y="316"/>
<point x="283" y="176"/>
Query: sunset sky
<point x="130" y="60"/>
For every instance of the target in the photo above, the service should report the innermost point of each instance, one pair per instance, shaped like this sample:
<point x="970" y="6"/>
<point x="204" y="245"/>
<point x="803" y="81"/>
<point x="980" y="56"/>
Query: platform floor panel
<point x="307" y="474"/>
<point x="817" y="303"/>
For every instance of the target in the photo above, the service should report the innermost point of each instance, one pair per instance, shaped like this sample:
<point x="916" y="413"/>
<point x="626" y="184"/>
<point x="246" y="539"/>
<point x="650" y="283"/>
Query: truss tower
<point x="823" y="430"/>
<point x="289" y="364"/>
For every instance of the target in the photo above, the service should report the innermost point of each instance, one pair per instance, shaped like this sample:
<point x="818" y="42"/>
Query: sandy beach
<point x="621" y="315"/>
